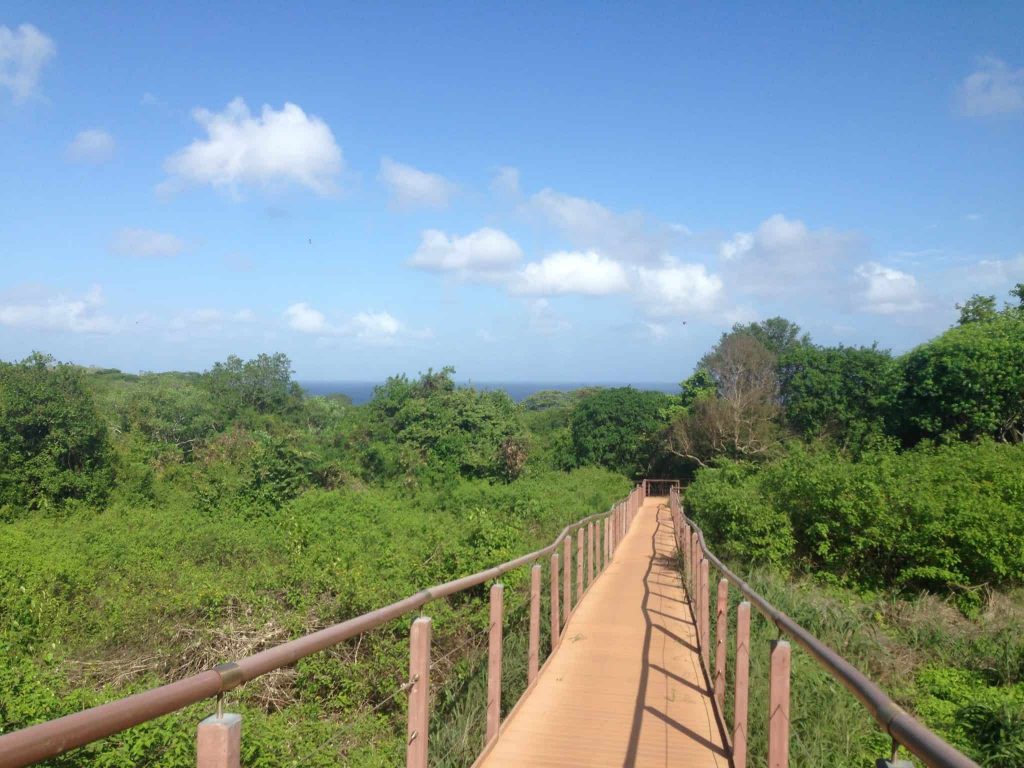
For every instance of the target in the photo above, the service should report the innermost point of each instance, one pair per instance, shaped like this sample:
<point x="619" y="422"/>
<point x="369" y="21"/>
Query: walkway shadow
<point x="662" y="541"/>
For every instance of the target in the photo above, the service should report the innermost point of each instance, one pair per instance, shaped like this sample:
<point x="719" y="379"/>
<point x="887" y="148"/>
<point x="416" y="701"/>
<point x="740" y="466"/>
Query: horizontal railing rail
<point x="55" y="737"/>
<point x="904" y="729"/>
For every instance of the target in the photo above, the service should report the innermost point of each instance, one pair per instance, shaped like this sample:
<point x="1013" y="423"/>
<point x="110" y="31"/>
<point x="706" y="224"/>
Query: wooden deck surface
<point x="624" y="687"/>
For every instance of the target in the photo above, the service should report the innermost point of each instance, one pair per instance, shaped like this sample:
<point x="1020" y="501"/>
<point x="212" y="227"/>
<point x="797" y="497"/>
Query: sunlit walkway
<point x="625" y="686"/>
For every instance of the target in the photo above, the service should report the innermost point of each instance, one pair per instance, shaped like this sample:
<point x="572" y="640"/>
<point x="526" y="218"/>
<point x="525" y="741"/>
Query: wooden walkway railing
<point x="904" y="730"/>
<point x="218" y="737"/>
<point x="597" y="540"/>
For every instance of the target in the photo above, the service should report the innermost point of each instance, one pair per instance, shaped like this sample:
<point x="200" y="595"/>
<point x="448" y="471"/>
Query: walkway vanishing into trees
<point x="625" y="686"/>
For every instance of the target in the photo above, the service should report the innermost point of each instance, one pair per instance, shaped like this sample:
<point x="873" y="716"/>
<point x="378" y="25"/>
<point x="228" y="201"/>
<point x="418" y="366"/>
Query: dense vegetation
<point x="155" y="524"/>
<point x="883" y="498"/>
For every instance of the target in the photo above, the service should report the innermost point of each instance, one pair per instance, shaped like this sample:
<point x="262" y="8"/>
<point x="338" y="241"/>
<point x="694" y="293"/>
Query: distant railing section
<point x="218" y="737"/>
<point x="658" y="487"/>
<point x="891" y="718"/>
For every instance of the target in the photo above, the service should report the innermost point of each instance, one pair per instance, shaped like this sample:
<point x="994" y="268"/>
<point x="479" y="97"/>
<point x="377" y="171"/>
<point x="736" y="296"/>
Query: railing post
<point x="219" y="741"/>
<point x="742" y="682"/>
<point x="607" y="542"/>
<point x="721" y="646"/>
<point x="579" y="565"/>
<point x="593" y="552"/>
<point x="494" y="642"/>
<point x="419" y="694"/>
<point x="705" y="623"/>
<point x="556" y="619"/>
<point x="533" y="660"/>
<point x="567" y="576"/>
<point x="695" y="575"/>
<point x="778" y="706"/>
<point x="684" y="547"/>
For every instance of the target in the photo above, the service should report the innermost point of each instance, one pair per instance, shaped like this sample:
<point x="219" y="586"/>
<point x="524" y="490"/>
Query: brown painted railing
<point x="890" y="717"/>
<point x="218" y="736"/>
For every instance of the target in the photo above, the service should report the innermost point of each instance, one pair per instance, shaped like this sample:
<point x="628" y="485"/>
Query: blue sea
<point x="362" y="391"/>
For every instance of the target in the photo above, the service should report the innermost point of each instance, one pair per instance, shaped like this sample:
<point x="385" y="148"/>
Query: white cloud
<point x="484" y="254"/>
<point x="364" y="327"/>
<point x="284" y="146"/>
<point x="887" y="291"/>
<point x="627" y="237"/>
<point x="680" y="289"/>
<point x="506" y="182"/>
<point x="59" y="313"/>
<point x="23" y="54"/>
<point x="373" y="327"/>
<point x="563" y="272"/>
<point x="91" y="146"/>
<point x="410" y="187"/>
<point x="302" y="317"/>
<point x="995" y="88"/>
<point x="783" y="255"/>
<point x="146" y="244"/>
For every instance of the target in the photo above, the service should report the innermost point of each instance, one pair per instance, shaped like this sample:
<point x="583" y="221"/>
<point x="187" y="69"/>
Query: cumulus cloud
<point x="91" y="146"/>
<point x="887" y="291"/>
<point x="627" y="237"/>
<point x="365" y="327"/>
<point x="146" y="244"/>
<point x="59" y="313"/>
<point x="484" y="254"/>
<point x="994" y="88"/>
<point x="587" y="273"/>
<point x="412" y="188"/>
<point x="679" y="289"/>
<point x="782" y="256"/>
<point x="23" y="54"/>
<point x="276" y="147"/>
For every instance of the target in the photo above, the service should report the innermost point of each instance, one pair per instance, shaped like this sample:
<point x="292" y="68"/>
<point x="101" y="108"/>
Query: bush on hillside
<point x="53" y="443"/>
<point x="941" y="518"/>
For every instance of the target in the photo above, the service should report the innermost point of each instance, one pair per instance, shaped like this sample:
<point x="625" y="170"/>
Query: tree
<point x="430" y="424"/>
<point x="618" y="428"/>
<point x="53" y="443"/>
<point x="847" y="393"/>
<point x="739" y="420"/>
<point x="776" y="334"/>
<point x="263" y="384"/>
<point x="977" y="309"/>
<point x="967" y="383"/>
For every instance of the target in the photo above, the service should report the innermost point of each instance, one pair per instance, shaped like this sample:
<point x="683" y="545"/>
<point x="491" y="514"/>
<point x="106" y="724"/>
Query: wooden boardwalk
<point x="624" y="687"/>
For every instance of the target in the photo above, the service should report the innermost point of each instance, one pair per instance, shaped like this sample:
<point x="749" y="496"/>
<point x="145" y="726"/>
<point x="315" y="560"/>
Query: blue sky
<point x="525" y="191"/>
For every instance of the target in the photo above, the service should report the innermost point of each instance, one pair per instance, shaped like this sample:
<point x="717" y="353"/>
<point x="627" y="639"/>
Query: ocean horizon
<point x="362" y="391"/>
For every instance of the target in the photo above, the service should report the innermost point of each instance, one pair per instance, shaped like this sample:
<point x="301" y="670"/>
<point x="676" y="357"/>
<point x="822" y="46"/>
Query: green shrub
<point x="739" y="522"/>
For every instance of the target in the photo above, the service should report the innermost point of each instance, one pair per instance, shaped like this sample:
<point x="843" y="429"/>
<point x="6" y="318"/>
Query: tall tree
<point x="740" y="419"/>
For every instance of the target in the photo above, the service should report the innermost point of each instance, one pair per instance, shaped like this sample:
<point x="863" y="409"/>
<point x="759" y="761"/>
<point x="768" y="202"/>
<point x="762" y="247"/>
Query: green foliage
<point x="53" y="443"/>
<point x="845" y="392"/>
<point x="432" y="426"/>
<point x="935" y="517"/>
<point x="744" y="526"/>
<point x="111" y="603"/>
<point x="977" y="309"/>
<point x="967" y="383"/>
<point x="777" y="334"/>
<point x="619" y="429"/>
<point x="263" y="384"/>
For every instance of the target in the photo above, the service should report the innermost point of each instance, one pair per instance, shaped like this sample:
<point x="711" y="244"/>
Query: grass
<point x="961" y="676"/>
